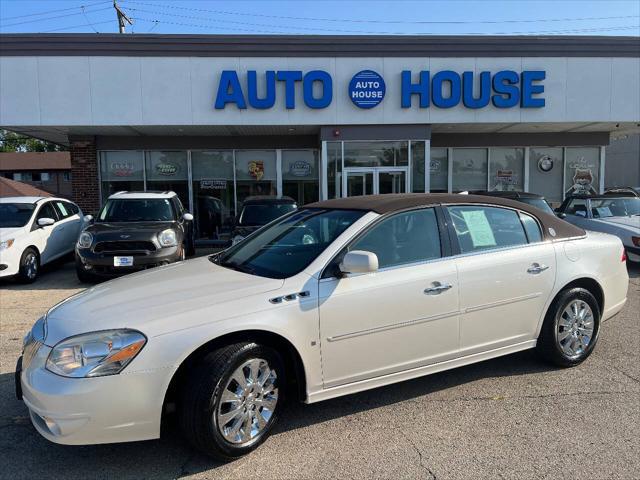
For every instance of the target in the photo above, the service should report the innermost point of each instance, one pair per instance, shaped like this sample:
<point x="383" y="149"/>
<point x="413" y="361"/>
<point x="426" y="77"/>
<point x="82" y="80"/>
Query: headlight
<point x="85" y="240"/>
<point x="95" y="354"/>
<point x="167" y="238"/>
<point x="6" y="244"/>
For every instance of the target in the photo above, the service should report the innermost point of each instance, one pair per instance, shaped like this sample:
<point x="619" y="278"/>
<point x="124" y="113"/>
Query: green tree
<point x="15" y="142"/>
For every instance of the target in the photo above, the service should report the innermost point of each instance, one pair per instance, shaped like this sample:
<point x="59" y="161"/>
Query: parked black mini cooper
<point x="134" y="231"/>
<point x="257" y="211"/>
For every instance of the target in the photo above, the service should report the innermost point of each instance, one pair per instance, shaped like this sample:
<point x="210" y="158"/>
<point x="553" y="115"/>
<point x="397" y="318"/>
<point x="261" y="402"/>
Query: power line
<point x="76" y="26"/>
<point x="321" y="29"/>
<point x="559" y="31"/>
<point x="54" y="11"/>
<point x="53" y="18"/>
<point x="87" y="20"/>
<point x="415" y="22"/>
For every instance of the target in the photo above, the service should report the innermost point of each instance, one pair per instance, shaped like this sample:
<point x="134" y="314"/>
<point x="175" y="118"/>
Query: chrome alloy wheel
<point x="31" y="265"/>
<point x="247" y="402"/>
<point x="575" y="328"/>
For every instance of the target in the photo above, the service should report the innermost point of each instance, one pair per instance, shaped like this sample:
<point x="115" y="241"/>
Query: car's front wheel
<point x="29" y="266"/>
<point x="231" y="399"/>
<point x="570" y="330"/>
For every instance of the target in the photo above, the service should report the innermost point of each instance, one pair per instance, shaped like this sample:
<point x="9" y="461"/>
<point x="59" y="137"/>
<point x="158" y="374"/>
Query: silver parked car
<point x="617" y="215"/>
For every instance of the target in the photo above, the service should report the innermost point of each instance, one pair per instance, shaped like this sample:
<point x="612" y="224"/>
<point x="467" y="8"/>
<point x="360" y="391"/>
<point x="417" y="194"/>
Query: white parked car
<point x="335" y="298"/>
<point x="616" y="215"/>
<point x="35" y="231"/>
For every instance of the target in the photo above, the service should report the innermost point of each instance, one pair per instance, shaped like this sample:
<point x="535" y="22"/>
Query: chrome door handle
<point x="537" y="268"/>
<point x="437" y="288"/>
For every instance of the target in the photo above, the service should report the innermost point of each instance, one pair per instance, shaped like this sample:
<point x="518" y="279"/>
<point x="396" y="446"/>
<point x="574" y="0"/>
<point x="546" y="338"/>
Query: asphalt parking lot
<point x="511" y="417"/>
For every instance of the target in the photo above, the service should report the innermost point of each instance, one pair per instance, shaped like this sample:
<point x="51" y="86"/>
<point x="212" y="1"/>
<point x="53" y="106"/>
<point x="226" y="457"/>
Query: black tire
<point x="549" y="346"/>
<point x="29" y="266"/>
<point x="201" y="399"/>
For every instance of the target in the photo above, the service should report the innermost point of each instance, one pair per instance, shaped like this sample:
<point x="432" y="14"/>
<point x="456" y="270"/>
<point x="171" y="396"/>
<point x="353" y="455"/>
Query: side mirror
<point x="561" y="215"/>
<point x="88" y="218"/>
<point x="43" y="222"/>
<point x="359" y="261"/>
<point x="187" y="216"/>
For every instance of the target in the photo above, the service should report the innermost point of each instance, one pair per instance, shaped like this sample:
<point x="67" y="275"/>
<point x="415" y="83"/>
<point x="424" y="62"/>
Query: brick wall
<point x="84" y="173"/>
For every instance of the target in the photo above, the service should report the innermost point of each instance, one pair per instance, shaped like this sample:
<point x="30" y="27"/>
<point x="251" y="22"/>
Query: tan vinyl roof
<point x="394" y="202"/>
<point x="25" y="161"/>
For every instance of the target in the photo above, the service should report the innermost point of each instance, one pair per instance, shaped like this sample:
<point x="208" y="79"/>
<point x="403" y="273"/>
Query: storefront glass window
<point x="300" y="175"/>
<point x="376" y="154"/>
<point x="334" y="169"/>
<point x="417" y="166"/>
<point x="255" y="173"/>
<point x="507" y="167"/>
<point x="469" y="169"/>
<point x="121" y="171"/>
<point x="168" y="171"/>
<point x="545" y="172"/>
<point x="439" y="170"/>
<point x="213" y="195"/>
<point x="582" y="165"/>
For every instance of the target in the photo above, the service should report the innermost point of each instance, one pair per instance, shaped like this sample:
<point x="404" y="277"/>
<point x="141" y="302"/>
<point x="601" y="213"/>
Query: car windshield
<point x="137" y="210"/>
<point x="288" y="245"/>
<point x="15" y="215"/>
<point x="538" y="203"/>
<point x="256" y="214"/>
<point x="615" y="207"/>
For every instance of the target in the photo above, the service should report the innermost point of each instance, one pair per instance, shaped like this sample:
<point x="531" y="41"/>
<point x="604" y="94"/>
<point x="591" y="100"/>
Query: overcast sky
<point x="326" y="17"/>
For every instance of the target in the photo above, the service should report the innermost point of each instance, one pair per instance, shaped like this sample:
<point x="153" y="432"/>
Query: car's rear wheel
<point x="570" y="330"/>
<point x="29" y="266"/>
<point x="232" y="399"/>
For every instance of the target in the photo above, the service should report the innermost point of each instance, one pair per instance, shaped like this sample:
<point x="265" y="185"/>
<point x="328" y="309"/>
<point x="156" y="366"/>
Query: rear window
<point x="482" y="228"/>
<point x="538" y="203"/>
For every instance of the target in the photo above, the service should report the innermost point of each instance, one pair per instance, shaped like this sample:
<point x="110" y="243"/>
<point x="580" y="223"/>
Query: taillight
<point x="624" y="256"/>
<point x="636" y="241"/>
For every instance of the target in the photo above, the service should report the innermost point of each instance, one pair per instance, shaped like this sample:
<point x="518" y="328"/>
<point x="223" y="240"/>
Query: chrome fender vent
<point x="289" y="298"/>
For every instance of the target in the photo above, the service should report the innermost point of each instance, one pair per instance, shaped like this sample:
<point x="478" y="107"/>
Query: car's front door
<point x="506" y="274"/>
<point x="403" y="316"/>
<point x="50" y="238"/>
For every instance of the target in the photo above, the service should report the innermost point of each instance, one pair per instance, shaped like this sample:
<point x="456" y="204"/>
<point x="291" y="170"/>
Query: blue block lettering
<point x="229" y="91"/>
<point x="270" y="96"/>
<point x="421" y="89"/>
<point x="439" y="100"/>
<point x="529" y="89"/>
<point x="468" y="99"/>
<point x="289" y="77"/>
<point x="327" y="89"/>
<point x="505" y="84"/>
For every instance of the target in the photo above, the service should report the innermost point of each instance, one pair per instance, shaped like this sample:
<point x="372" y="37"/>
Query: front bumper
<point x="102" y="263"/>
<point x="9" y="264"/>
<point x="81" y="411"/>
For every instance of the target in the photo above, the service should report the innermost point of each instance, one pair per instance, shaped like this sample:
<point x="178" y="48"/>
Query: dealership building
<point x="220" y="118"/>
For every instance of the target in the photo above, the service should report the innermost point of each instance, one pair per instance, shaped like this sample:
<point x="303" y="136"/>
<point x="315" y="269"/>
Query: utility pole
<point x="122" y="17"/>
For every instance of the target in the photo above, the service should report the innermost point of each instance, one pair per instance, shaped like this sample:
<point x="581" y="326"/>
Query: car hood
<point x="112" y="231"/>
<point x="7" y="233"/>
<point x="159" y="300"/>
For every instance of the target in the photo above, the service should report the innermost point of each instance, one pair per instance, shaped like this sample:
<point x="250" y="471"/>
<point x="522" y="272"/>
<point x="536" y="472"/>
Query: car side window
<point x="402" y="239"/>
<point x="531" y="228"/>
<point x="63" y="210"/>
<point x="482" y="228"/>
<point x="71" y="207"/>
<point x="577" y="206"/>
<point x="47" y="211"/>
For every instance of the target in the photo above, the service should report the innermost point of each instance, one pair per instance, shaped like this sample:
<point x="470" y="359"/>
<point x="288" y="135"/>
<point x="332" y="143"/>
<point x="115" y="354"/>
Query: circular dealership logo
<point x="545" y="164"/>
<point x="366" y="89"/>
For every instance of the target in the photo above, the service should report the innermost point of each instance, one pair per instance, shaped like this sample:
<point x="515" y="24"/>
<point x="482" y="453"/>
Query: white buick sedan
<point x="335" y="298"/>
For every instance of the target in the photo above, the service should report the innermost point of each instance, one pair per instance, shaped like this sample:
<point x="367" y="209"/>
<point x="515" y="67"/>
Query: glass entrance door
<point x="372" y="181"/>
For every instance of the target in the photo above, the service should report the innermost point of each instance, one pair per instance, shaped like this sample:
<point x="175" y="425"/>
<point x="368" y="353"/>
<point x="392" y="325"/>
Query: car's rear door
<point x="404" y="315"/>
<point x="69" y="224"/>
<point x="506" y="274"/>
